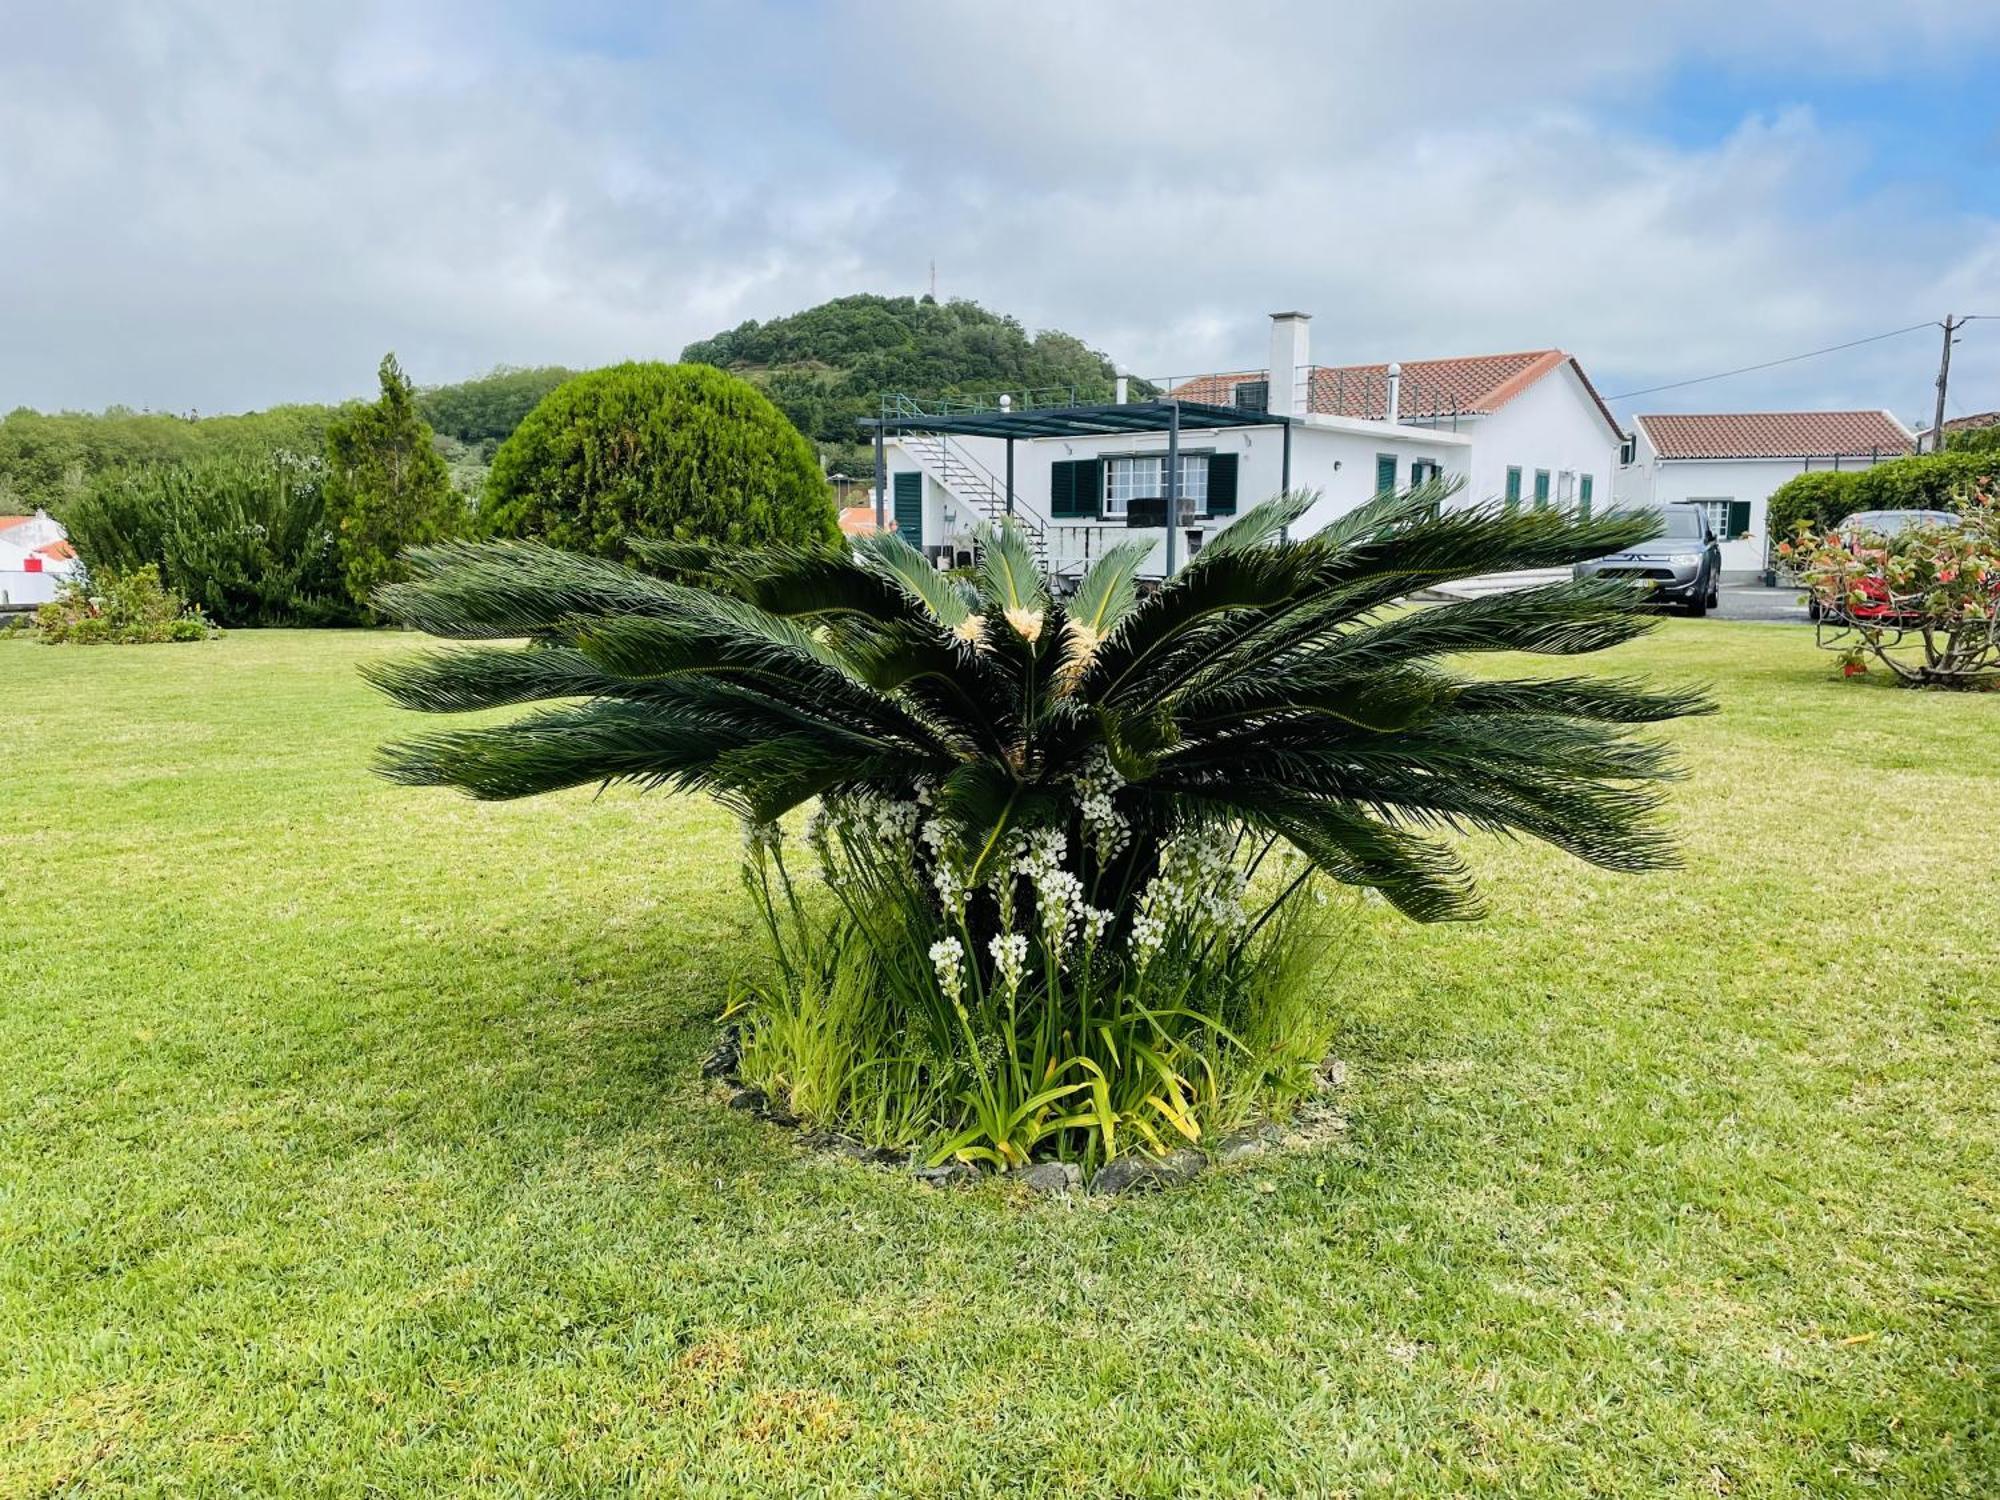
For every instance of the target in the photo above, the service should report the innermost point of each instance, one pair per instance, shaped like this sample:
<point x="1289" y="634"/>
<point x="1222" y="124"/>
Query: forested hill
<point x="827" y="367"/>
<point x="47" y="457"/>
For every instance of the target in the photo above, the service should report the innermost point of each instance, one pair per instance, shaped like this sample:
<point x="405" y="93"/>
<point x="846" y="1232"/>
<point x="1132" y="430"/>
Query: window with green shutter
<point x="1385" y="472"/>
<point x="1076" y="489"/>
<point x="910" y="508"/>
<point x="1583" y="487"/>
<point x="1541" y="489"/>
<point x="1513" y="488"/>
<point x="1739" y="519"/>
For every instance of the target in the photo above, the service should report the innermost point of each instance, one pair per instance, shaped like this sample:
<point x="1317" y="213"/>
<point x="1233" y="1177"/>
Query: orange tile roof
<point x="858" y="520"/>
<point x="60" y="550"/>
<point x="1476" y="384"/>
<point x="1468" y="386"/>
<point x="1774" y="434"/>
<point x="9" y="522"/>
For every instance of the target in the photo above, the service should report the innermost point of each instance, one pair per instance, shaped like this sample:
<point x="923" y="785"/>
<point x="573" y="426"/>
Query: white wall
<point x="1669" y="481"/>
<point x="1553" y="424"/>
<point x="1334" y="456"/>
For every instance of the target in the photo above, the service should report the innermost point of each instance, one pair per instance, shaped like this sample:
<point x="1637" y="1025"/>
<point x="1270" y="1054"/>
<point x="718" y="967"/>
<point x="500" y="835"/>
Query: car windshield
<point x="1894" y="522"/>
<point x="1683" y="524"/>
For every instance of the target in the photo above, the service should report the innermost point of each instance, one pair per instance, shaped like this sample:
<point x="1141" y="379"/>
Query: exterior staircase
<point x="975" y="487"/>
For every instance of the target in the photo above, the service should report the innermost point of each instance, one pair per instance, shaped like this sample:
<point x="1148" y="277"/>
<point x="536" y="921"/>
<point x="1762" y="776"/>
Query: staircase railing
<point x="970" y="481"/>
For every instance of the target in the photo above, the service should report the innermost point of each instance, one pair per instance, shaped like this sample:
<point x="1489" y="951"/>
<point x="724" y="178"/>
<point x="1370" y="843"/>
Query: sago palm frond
<point x="1278" y="682"/>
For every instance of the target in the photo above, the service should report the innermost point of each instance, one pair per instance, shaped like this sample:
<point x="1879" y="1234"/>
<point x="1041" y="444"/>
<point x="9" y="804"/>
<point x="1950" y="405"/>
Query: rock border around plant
<point x="1121" y="1176"/>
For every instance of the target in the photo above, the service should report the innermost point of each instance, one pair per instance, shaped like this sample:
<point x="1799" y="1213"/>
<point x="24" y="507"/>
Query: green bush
<point x="1068" y="848"/>
<point x="1931" y="481"/>
<point x="119" y="609"/>
<point x="386" y="486"/>
<point x="1820" y="497"/>
<point x="664" y="451"/>
<point x="245" y="540"/>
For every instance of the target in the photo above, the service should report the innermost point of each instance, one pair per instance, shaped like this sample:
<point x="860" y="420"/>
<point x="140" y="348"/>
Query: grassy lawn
<point x="351" y="1143"/>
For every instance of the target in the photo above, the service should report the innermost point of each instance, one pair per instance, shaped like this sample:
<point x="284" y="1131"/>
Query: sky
<point x="217" y="206"/>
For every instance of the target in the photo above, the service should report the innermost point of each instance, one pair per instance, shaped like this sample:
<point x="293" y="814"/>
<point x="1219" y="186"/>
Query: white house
<point x="1527" y="427"/>
<point x="1730" y="462"/>
<point x="35" y="556"/>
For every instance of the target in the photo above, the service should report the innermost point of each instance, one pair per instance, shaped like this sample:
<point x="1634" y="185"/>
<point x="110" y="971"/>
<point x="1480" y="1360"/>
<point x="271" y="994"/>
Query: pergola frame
<point x="1171" y="416"/>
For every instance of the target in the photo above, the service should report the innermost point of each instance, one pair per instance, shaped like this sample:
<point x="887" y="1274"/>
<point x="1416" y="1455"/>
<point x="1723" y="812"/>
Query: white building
<point x="35" y="556"/>
<point x="1730" y="462"/>
<point x="1526" y="427"/>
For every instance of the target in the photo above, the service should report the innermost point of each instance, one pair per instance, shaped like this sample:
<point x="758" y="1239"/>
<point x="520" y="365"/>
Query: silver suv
<point x="1683" y="563"/>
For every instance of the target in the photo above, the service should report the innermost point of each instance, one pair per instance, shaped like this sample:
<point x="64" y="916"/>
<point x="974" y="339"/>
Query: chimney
<point x="1291" y="352"/>
<point x="1395" y="391"/>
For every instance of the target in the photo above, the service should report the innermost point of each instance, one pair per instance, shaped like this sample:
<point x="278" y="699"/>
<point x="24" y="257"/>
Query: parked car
<point x="1683" y="563"/>
<point x="1862" y="528"/>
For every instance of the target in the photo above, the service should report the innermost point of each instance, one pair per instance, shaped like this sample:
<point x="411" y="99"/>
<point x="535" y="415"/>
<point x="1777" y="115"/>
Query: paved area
<point x="1752" y="601"/>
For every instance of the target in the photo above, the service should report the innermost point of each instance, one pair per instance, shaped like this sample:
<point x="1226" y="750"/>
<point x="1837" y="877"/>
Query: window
<point x="1127" y="479"/>
<point x="1717" y="511"/>
<point x="1728" y="518"/>
<point x="1541" y="489"/>
<point x="1385" y="472"/>
<point x="1583" y="488"/>
<point x="1628" y="452"/>
<point x="1565" y="488"/>
<point x="1513" y="488"/>
<point x="1423" y="471"/>
<point x="1145" y="478"/>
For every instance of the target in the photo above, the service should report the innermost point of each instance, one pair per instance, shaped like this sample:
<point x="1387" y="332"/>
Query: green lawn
<point x="351" y="1143"/>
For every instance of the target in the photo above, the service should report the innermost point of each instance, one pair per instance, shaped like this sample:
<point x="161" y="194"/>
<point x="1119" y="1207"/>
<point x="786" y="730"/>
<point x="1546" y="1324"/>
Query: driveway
<point x="1752" y="601"/>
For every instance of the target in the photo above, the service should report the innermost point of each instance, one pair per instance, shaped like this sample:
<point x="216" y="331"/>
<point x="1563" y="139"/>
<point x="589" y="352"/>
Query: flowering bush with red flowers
<point x="1924" y="603"/>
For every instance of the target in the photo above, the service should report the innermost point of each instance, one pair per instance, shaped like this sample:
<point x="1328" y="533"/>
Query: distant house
<point x="1976" y="422"/>
<point x="1730" y="462"/>
<point x="1527" y="428"/>
<point x="35" y="556"/>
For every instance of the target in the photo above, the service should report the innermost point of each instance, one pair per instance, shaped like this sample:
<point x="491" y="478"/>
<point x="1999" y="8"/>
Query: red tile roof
<point x="1468" y="386"/>
<point x="857" y="520"/>
<point x="7" y="522"/>
<point x="1775" y="434"/>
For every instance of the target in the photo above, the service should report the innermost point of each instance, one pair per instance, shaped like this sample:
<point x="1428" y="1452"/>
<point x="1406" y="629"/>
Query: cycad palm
<point x="1270" y="685"/>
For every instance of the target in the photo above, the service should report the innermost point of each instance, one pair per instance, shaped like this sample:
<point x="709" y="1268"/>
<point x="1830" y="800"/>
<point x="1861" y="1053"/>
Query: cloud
<point x="220" y="206"/>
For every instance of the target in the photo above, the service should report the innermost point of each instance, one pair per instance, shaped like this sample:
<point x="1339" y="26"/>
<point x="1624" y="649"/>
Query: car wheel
<point x="1698" y="605"/>
<point x="1813" y="610"/>
<point x="1715" y="591"/>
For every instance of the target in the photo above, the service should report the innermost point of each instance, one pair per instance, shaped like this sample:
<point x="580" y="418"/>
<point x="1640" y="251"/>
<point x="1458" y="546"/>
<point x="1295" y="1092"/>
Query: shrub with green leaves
<point x="1060" y="841"/>
<point x="245" y="540"/>
<point x="386" y="486"/>
<point x="1819" y="497"/>
<point x="1923" y="603"/>
<point x="681" y="452"/>
<point x="110" y="608"/>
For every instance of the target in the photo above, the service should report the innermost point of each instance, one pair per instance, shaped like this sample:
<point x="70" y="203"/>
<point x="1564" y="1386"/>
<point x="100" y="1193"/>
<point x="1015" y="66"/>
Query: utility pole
<point x="1951" y="326"/>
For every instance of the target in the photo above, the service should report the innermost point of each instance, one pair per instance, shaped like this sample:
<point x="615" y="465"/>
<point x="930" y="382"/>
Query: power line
<point x="1873" y="338"/>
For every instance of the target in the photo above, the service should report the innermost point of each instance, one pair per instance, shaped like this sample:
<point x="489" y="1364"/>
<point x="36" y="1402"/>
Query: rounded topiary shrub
<point x="656" y="450"/>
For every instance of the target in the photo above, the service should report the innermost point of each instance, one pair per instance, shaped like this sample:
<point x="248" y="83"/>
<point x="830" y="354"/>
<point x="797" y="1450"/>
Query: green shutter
<point x="1222" y="484"/>
<point x="1062" y="489"/>
<point x="1090" y="487"/>
<point x="1513" y="489"/>
<point x="910" y="508"/>
<point x="1739" y="518"/>
<point x="1385" y="472"/>
<point x="1541" y="489"/>
<point x="1583" y="497"/>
